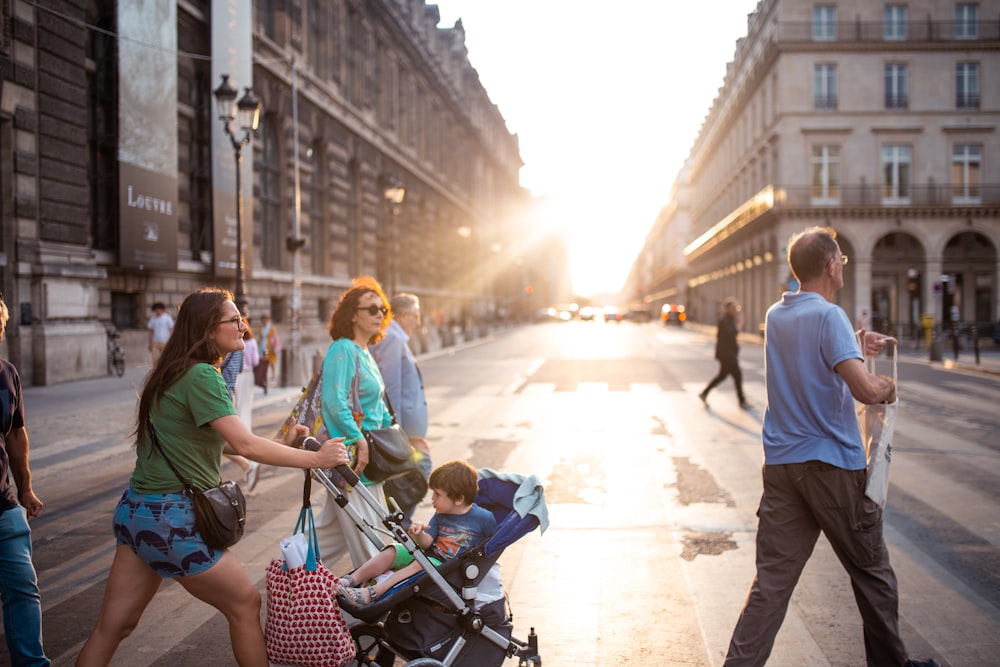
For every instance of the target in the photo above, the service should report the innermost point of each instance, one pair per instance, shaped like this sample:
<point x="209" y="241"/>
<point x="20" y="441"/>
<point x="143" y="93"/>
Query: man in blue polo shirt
<point x="814" y="460"/>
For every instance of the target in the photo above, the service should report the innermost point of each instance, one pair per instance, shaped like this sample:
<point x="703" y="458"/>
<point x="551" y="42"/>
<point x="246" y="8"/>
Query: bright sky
<point x="606" y="99"/>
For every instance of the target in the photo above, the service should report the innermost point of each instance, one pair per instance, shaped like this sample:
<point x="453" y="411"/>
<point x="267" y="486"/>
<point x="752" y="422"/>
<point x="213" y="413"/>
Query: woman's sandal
<point x="362" y="597"/>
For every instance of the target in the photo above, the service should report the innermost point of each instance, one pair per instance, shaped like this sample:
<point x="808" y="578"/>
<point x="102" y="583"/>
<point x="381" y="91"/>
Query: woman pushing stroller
<point x="458" y="525"/>
<point x="186" y="401"/>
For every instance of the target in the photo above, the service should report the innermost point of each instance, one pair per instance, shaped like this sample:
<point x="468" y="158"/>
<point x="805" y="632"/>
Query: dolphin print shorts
<point x="159" y="529"/>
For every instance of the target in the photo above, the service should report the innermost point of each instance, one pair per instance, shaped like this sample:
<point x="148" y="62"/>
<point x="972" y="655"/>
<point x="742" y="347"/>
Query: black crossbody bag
<point x="220" y="512"/>
<point x="390" y="454"/>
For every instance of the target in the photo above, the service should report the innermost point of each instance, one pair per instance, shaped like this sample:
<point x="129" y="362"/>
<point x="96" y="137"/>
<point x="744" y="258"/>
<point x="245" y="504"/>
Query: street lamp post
<point x="394" y="193"/>
<point x="247" y="112"/>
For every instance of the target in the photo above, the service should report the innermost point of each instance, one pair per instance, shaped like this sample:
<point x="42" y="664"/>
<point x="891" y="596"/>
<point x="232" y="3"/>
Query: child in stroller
<point x="458" y="524"/>
<point x="455" y="614"/>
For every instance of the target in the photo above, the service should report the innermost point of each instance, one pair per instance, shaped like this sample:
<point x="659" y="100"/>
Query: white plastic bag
<point x="877" y="423"/>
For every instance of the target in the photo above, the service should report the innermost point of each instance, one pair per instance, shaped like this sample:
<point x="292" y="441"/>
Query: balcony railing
<point x="824" y="101"/>
<point x="967" y="101"/>
<point x="896" y="101"/>
<point x="877" y="195"/>
<point x="874" y="31"/>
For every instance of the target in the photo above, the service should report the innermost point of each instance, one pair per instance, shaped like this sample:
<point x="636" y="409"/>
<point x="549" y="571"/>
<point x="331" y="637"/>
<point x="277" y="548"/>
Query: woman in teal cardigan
<point x="361" y="317"/>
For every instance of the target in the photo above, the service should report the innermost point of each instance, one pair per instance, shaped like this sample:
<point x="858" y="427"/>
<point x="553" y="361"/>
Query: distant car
<point x="673" y="313"/>
<point x="638" y="315"/>
<point x="611" y="314"/>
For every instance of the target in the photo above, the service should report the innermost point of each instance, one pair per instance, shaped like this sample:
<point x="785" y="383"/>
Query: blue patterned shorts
<point x="159" y="529"/>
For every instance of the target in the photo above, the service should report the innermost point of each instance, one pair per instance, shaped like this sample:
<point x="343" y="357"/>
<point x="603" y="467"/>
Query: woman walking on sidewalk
<point x="186" y="402"/>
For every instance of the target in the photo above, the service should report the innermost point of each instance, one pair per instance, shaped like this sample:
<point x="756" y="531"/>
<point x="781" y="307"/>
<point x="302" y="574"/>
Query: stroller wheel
<point x="372" y="650"/>
<point x="424" y="662"/>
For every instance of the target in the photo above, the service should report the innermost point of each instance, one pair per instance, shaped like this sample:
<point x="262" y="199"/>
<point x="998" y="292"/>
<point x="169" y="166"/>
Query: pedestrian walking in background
<point x="232" y="369"/>
<point x="270" y="350"/>
<point x="727" y="351"/>
<point x="245" y="381"/>
<point x="22" y="605"/>
<point x="359" y="320"/>
<point x="154" y="521"/>
<point x="160" y="326"/>
<point x="403" y="383"/>
<point x="814" y="460"/>
<point x="862" y="321"/>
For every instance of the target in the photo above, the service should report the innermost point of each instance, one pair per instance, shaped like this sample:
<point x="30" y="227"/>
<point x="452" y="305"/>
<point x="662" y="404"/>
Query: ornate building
<point x="881" y="120"/>
<point x="379" y="152"/>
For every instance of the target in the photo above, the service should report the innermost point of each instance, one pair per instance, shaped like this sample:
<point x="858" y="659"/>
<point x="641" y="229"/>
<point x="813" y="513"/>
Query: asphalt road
<point x="651" y="498"/>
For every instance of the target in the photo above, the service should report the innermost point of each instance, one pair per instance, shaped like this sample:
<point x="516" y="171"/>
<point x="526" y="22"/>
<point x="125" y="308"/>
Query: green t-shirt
<point x="181" y="418"/>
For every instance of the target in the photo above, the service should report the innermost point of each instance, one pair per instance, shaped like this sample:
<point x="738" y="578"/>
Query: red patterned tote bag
<point x="304" y="625"/>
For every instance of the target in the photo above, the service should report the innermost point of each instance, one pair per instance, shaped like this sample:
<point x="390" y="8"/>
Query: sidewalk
<point x="101" y="393"/>
<point x="988" y="361"/>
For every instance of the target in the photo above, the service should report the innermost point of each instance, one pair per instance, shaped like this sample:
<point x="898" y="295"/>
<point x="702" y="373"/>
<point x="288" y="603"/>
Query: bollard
<point x="975" y="343"/>
<point x="935" y="348"/>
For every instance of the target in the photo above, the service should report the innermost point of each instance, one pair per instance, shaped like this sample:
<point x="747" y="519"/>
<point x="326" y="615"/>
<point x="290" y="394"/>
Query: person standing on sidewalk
<point x="814" y="460"/>
<point x="160" y="326"/>
<point x="231" y="369"/>
<point x="404" y="386"/>
<point x="270" y="350"/>
<point x="22" y="605"/>
<point x="727" y="351"/>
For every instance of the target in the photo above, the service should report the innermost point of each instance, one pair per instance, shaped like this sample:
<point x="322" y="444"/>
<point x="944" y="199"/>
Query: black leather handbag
<point x="390" y="454"/>
<point x="220" y="513"/>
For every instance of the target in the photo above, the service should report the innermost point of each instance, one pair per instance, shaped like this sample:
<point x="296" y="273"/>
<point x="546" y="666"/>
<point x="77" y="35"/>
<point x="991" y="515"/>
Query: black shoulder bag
<point x="220" y="512"/>
<point x="390" y="454"/>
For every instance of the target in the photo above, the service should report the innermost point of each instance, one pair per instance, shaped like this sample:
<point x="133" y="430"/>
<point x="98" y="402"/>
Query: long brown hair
<point x="342" y="320"/>
<point x="190" y="343"/>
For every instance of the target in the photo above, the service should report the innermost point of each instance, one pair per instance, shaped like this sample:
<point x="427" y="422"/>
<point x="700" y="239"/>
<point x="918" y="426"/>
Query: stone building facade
<point x="357" y="96"/>
<point x="881" y="120"/>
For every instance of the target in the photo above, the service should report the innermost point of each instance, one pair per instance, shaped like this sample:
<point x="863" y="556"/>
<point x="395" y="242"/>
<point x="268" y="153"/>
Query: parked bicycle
<point x="116" y="351"/>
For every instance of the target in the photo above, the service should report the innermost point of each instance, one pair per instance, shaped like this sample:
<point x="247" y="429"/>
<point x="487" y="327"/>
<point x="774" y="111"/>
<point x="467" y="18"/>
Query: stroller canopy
<point x="516" y="501"/>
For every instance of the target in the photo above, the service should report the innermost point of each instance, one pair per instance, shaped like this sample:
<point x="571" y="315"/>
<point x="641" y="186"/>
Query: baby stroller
<point x="434" y="617"/>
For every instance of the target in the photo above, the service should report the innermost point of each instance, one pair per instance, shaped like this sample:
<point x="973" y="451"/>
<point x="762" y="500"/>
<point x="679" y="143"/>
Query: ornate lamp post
<point x="247" y="112"/>
<point x="394" y="193"/>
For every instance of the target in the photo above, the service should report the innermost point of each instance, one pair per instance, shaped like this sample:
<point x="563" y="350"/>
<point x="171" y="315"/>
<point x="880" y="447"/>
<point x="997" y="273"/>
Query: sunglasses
<point x="374" y="310"/>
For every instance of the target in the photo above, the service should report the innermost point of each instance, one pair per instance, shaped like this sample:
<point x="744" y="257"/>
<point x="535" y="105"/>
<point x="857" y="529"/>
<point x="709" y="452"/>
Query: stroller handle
<point x="314" y="445"/>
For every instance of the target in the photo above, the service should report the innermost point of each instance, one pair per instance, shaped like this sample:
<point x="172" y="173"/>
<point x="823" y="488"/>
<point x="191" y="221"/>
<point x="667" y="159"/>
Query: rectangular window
<point x="824" y="163"/>
<point x="824" y="26"/>
<point x="967" y="85"/>
<point x="966" y="21"/>
<point x="896" y="174"/>
<point x="825" y="86"/>
<point x="895" y="86"/>
<point x="124" y="306"/>
<point x="894" y="22"/>
<point x="966" y="167"/>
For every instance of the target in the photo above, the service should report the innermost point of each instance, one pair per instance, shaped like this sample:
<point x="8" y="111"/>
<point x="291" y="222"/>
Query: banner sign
<point x="147" y="134"/>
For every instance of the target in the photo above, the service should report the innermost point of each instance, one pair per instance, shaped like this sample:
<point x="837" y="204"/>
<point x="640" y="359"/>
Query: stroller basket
<point x="435" y="613"/>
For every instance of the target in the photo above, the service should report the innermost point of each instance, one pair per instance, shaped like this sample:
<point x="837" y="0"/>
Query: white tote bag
<point x="877" y="423"/>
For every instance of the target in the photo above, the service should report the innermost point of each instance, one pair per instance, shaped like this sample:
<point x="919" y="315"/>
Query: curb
<point x="954" y="365"/>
